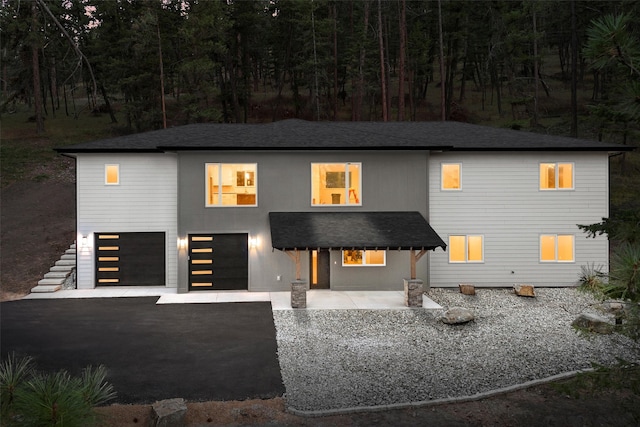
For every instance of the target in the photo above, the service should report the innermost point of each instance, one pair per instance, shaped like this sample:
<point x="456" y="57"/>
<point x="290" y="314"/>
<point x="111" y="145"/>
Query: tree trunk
<point x="401" y="63"/>
<point x="335" y="62"/>
<point x="443" y="114"/>
<point x="35" y="65"/>
<point x="383" y="74"/>
<point x="356" y="114"/>
<point x="574" y="72"/>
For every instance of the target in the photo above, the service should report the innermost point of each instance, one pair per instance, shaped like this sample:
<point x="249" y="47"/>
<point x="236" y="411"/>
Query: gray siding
<point x="500" y="199"/>
<point x="145" y="200"/>
<point x="393" y="181"/>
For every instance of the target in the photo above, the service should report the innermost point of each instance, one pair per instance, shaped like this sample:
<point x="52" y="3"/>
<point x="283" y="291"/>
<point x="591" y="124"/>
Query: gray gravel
<point x="337" y="359"/>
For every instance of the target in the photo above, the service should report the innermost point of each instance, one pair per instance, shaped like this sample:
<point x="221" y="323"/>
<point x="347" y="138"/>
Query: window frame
<point x="557" y="176"/>
<point x="556" y="260"/>
<point x="442" y="180"/>
<point x="346" y="188"/>
<point x="466" y="249"/>
<point x="106" y="173"/>
<point x="364" y="258"/>
<point x="207" y="194"/>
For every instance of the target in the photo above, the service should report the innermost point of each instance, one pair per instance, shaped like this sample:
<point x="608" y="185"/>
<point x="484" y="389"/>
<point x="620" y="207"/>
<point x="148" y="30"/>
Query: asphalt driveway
<point x="195" y="351"/>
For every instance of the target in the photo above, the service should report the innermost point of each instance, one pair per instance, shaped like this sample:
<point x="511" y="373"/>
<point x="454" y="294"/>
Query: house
<point x="342" y="205"/>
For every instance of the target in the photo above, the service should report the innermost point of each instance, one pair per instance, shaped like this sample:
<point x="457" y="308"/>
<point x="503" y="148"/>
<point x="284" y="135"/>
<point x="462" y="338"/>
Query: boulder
<point x="593" y="323"/>
<point x="457" y="315"/>
<point x="168" y="413"/>
<point x="524" y="290"/>
<point x="467" y="289"/>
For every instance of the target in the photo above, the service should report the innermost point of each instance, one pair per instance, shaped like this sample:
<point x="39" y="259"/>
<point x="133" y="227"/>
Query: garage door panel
<point x="218" y="262"/>
<point x="130" y="259"/>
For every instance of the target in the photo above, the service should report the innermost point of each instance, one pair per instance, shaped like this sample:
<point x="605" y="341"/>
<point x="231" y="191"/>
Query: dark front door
<point x="320" y="267"/>
<point x="218" y="262"/>
<point x="130" y="259"/>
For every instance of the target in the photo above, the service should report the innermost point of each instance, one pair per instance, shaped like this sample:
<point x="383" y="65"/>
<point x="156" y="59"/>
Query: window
<point x="336" y="184"/>
<point x="363" y="258"/>
<point x="231" y="184"/>
<point x="556" y="176"/>
<point x="466" y="248"/>
<point x="451" y="176"/>
<point x="557" y="248"/>
<point x="112" y="174"/>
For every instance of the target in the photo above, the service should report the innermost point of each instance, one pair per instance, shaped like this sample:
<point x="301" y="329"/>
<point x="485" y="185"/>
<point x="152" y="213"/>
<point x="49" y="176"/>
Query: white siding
<point x="500" y="199"/>
<point x="144" y="200"/>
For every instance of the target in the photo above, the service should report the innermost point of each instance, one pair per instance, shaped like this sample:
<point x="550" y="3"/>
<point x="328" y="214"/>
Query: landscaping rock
<point x="467" y="289"/>
<point x="457" y="315"/>
<point x="593" y="323"/>
<point x="524" y="290"/>
<point x="168" y="413"/>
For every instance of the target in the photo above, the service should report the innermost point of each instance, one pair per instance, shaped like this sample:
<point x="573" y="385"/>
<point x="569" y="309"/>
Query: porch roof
<point x="352" y="230"/>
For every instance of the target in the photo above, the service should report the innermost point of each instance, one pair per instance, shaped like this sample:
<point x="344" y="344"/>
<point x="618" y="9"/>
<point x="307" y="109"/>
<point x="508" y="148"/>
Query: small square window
<point x="557" y="248"/>
<point x="556" y="176"/>
<point x="336" y="184"/>
<point x="466" y="248"/>
<point x="112" y="174"/>
<point x="231" y="184"/>
<point x="451" y="176"/>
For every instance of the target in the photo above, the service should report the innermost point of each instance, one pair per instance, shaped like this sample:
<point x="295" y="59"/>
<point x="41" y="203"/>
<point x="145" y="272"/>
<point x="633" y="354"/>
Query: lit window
<point x="231" y="184"/>
<point x="466" y="249"/>
<point x="557" y="248"/>
<point x="112" y="174"/>
<point x="363" y="258"/>
<point x="451" y="176"/>
<point x="332" y="185"/>
<point x="556" y="176"/>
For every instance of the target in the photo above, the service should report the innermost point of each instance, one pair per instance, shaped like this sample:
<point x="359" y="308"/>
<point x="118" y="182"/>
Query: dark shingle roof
<point x="297" y="134"/>
<point x="352" y="230"/>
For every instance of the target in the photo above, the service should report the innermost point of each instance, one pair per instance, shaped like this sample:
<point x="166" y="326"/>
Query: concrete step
<point x="73" y="246"/>
<point x="70" y="252"/>
<point x="57" y="274"/>
<point x="56" y="281"/>
<point x="71" y="262"/>
<point x="68" y="256"/>
<point x="46" y="288"/>
<point x="66" y="268"/>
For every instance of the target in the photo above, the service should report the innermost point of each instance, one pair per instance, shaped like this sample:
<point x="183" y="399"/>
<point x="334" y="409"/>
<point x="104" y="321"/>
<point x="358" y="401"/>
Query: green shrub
<point x="58" y="399"/>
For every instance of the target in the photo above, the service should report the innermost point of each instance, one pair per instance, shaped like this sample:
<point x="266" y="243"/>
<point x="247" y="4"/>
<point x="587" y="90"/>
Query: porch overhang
<point x="352" y="230"/>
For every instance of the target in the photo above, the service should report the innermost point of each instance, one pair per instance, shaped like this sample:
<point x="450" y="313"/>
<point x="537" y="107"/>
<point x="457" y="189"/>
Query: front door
<point x="320" y="265"/>
<point x="218" y="262"/>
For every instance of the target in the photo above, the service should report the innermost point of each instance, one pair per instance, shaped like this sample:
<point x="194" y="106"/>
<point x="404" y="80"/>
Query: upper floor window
<point x="112" y="174"/>
<point x="556" y="176"/>
<point x="352" y="258"/>
<point x="557" y="248"/>
<point x="451" y="176"/>
<point x="231" y="184"/>
<point x="463" y="248"/>
<point x="336" y="184"/>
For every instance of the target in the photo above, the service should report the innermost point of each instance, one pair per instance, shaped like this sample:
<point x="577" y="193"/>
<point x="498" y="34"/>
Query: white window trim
<point x="442" y="165"/>
<point x="346" y="183"/>
<point x="206" y="185"/>
<point x="557" y="176"/>
<point x="364" y="264"/>
<point x="466" y="249"/>
<point x="106" y="167"/>
<point x="556" y="260"/>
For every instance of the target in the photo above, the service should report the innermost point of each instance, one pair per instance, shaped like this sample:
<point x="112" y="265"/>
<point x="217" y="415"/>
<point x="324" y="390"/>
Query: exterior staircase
<point x="58" y="274"/>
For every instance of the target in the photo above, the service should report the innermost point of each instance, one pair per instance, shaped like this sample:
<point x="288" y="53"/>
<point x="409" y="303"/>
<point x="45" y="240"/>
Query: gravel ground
<point x="338" y="359"/>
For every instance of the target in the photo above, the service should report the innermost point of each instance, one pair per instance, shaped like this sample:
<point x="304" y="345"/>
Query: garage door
<point x="218" y="262"/>
<point x="130" y="259"/>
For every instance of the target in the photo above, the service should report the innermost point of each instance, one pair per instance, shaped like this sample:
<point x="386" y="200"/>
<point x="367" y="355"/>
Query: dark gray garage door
<point x="218" y="262"/>
<point x="130" y="259"/>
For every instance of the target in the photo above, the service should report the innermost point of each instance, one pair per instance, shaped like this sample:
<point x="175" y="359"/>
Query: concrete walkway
<point x="316" y="299"/>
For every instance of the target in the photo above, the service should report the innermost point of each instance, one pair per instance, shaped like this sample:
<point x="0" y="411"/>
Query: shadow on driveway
<point x="152" y="352"/>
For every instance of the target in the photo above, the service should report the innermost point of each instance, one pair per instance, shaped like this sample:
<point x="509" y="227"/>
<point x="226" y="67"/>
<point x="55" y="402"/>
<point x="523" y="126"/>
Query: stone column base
<point x="298" y="294"/>
<point x="413" y="292"/>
